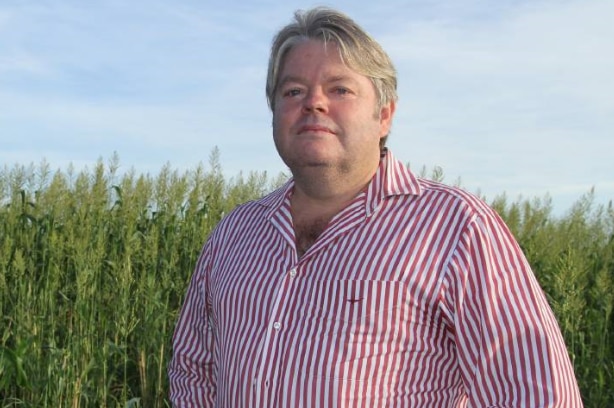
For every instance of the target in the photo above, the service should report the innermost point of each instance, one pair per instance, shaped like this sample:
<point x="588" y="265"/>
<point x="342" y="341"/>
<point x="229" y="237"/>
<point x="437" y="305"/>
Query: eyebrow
<point x="287" y="79"/>
<point x="330" y="80"/>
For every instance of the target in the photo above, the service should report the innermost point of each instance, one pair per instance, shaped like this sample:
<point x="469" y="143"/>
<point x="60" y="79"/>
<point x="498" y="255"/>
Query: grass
<point x="94" y="266"/>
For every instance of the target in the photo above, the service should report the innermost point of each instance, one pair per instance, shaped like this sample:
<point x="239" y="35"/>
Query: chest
<point x="306" y="233"/>
<point x="329" y="322"/>
<point x="356" y="279"/>
<point x="364" y="297"/>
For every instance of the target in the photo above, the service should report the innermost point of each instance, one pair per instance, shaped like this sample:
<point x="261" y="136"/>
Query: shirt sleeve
<point x="192" y="371"/>
<point x="510" y="348"/>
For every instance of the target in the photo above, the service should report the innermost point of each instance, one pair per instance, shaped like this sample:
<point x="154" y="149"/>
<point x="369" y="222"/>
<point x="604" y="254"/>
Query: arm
<point x="510" y="348"/>
<point x="192" y="371"/>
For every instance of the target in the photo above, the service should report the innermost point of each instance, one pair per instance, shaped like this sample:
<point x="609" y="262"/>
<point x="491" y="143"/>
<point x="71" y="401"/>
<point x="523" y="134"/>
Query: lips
<point x="314" y="129"/>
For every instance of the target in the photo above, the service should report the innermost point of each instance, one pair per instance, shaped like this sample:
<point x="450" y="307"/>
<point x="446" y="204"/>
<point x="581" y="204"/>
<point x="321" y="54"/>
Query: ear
<point x="385" y="118"/>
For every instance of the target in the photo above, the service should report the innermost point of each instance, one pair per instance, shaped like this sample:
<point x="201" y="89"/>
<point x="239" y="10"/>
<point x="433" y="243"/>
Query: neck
<point x="321" y="192"/>
<point x="315" y="201"/>
<point x="331" y="184"/>
<point x="313" y="208"/>
<point x="321" y="196"/>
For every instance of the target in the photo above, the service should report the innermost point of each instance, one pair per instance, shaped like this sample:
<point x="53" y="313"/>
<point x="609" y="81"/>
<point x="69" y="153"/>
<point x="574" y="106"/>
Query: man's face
<point x="326" y="114"/>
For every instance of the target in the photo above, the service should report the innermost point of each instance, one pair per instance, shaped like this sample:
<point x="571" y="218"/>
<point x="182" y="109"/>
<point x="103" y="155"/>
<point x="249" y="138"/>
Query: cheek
<point x="277" y="121"/>
<point x="282" y="119"/>
<point x="279" y="128"/>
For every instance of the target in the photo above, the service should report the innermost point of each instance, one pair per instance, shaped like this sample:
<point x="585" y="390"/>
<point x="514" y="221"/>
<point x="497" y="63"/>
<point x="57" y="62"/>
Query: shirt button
<point x="292" y="272"/>
<point x="277" y="325"/>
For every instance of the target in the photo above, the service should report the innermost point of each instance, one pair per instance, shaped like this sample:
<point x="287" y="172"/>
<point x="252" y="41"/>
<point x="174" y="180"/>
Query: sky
<point x="505" y="96"/>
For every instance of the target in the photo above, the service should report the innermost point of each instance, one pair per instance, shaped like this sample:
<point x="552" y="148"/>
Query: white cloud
<point x="509" y="96"/>
<point x="22" y="63"/>
<point x="521" y="102"/>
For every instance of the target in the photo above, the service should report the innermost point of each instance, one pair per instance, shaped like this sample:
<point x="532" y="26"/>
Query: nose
<point x="315" y="101"/>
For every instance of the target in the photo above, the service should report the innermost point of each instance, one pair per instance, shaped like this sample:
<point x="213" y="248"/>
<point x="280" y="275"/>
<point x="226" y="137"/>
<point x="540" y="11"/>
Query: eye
<point x="341" y="90"/>
<point x="291" y="92"/>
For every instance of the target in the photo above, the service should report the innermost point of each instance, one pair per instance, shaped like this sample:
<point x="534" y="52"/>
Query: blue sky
<point x="508" y="96"/>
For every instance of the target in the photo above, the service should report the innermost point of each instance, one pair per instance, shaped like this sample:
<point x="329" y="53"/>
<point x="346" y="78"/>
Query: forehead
<point x="311" y="56"/>
<point x="310" y="49"/>
<point x="316" y="43"/>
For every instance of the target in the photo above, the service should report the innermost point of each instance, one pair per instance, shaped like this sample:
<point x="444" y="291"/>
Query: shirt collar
<point x="392" y="178"/>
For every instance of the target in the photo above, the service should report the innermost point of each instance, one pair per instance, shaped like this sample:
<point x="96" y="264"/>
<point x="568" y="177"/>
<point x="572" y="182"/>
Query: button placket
<point x="272" y="337"/>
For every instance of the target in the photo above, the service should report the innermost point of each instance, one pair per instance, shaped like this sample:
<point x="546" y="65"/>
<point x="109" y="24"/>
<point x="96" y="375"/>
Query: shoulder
<point x="441" y="196"/>
<point x="455" y="207"/>
<point x="400" y="181"/>
<point x="251" y="213"/>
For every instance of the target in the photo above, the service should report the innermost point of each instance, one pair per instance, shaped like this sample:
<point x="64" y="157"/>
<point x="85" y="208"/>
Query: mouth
<point x="314" y="129"/>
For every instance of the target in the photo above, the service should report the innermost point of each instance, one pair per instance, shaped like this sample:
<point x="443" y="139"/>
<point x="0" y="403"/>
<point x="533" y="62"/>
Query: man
<point x="357" y="284"/>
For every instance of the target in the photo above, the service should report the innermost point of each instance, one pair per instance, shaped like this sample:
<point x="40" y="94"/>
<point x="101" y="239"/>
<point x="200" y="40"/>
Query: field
<point x="94" y="266"/>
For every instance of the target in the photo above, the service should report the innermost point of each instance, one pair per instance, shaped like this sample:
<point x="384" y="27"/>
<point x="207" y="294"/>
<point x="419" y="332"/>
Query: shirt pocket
<point x="349" y="325"/>
<point x="351" y="301"/>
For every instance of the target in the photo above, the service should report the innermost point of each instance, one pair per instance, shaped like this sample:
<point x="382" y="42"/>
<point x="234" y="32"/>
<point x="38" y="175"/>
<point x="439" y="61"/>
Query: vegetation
<point x="94" y="266"/>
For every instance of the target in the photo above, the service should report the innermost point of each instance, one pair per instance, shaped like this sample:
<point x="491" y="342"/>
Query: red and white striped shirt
<point x="415" y="295"/>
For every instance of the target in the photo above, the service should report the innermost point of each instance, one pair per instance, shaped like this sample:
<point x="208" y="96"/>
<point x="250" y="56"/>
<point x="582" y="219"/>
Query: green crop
<point x="94" y="266"/>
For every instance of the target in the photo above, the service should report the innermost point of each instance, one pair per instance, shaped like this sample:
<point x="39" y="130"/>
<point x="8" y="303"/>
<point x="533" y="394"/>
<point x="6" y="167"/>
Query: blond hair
<point x="358" y="50"/>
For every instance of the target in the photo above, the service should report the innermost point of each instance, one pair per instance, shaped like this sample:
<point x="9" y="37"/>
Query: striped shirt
<point x="415" y="295"/>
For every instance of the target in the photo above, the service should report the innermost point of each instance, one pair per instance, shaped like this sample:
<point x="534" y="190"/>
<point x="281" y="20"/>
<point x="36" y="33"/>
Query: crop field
<point x="94" y="265"/>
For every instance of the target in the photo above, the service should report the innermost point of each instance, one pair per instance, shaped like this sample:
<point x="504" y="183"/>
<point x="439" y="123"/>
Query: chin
<point x="303" y="163"/>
